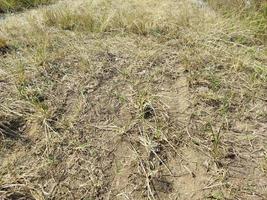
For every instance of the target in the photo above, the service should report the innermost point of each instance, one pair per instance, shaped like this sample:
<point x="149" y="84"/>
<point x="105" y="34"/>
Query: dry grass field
<point x="133" y="100"/>
<point x="18" y="5"/>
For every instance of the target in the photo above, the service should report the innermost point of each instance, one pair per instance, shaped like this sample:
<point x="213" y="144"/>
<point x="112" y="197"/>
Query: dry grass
<point x="238" y="4"/>
<point x="133" y="100"/>
<point x="3" y="42"/>
<point x="133" y="17"/>
<point x="15" y="5"/>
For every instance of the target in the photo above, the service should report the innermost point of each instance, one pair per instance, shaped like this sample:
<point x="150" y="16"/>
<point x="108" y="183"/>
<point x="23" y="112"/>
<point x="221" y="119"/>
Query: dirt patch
<point x="247" y="169"/>
<point x="176" y="99"/>
<point x="192" y="174"/>
<point x="144" y="166"/>
<point x="123" y="168"/>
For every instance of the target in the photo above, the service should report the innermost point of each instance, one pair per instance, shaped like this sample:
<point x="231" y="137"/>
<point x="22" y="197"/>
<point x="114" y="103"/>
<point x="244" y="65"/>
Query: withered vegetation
<point x="138" y="99"/>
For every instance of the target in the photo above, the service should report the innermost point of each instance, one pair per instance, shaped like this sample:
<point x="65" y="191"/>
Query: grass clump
<point x="16" y="5"/>
<point x="129" y="17"/>
<point x="251" y="12"/>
